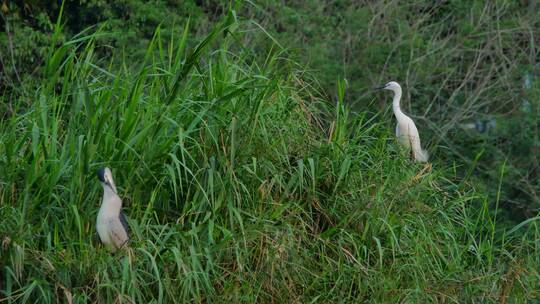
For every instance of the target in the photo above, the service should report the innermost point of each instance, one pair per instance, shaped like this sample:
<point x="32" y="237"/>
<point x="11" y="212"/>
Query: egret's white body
<point x="406" y="130"/>
<point x="111" y="224"/>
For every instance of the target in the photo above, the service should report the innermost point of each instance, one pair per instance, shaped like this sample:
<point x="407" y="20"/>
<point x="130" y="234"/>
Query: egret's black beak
<point x="379" y="88"/>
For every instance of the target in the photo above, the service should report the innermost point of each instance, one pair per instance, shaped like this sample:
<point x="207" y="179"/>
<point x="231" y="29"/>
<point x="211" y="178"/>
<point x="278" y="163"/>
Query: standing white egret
<point x="406" y="130"/>
<point x="111" y="224"/>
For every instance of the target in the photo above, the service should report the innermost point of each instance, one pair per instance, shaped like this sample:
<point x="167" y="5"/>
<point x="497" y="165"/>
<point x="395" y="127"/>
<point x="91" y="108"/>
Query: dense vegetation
<point x="250" y="171"/>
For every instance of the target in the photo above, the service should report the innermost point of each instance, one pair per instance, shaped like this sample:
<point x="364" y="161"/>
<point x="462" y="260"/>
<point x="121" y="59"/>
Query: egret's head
<point x="105" y="177"/>
<point x="392" y="86"/>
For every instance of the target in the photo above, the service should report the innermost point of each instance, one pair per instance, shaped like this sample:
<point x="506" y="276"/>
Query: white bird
<point x="406" y="130"/>
<point x="111" y="225"/>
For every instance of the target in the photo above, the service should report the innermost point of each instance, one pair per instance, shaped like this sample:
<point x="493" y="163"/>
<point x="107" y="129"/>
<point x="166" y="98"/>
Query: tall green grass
<point x="242" y="184"/>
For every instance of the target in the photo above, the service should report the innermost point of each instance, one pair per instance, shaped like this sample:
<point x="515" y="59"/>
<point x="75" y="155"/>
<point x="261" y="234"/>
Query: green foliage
<point x="243" y="182"/>
<point x="23" y="47"/>
<point x="458" y="62"/>
<point x="130" y="25"/>
<point x="241" y="186"/>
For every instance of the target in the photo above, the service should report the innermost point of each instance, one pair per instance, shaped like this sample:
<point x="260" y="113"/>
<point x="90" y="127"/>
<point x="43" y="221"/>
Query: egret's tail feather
<point x="421" y="155"/>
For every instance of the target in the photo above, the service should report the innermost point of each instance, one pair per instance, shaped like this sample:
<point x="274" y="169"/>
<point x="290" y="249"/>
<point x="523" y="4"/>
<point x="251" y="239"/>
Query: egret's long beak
<point x="378" y="88"/>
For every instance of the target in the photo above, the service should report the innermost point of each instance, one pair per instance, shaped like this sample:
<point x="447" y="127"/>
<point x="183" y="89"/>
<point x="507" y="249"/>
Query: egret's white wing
<point x="408" y="137"/>
<point x="118" y="233"/>
<point x="418" y="153"/>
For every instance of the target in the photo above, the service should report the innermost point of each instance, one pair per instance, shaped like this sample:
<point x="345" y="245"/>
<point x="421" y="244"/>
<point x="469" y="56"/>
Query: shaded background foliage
<point x="459" y="62"/>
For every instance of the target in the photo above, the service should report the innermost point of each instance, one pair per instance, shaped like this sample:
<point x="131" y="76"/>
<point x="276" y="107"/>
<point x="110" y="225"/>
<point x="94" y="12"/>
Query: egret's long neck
<point x="395" y="104"/>
<point x="111" y="201"/>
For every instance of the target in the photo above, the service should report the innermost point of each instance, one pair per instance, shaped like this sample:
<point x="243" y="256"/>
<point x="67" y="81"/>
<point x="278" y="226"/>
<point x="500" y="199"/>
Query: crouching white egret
<point x="111" y="224"/>
<point x="406" y="130"/>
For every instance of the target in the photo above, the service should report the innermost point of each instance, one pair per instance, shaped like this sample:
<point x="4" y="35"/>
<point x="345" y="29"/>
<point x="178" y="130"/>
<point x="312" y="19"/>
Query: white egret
<point x="406" y="130"/>
<point x="111" y="225"/>
<point x="481" y="126"/>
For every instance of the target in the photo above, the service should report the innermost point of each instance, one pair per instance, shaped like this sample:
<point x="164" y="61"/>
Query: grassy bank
<point x="242" y="184"/>
<point x="460" y="63"/>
